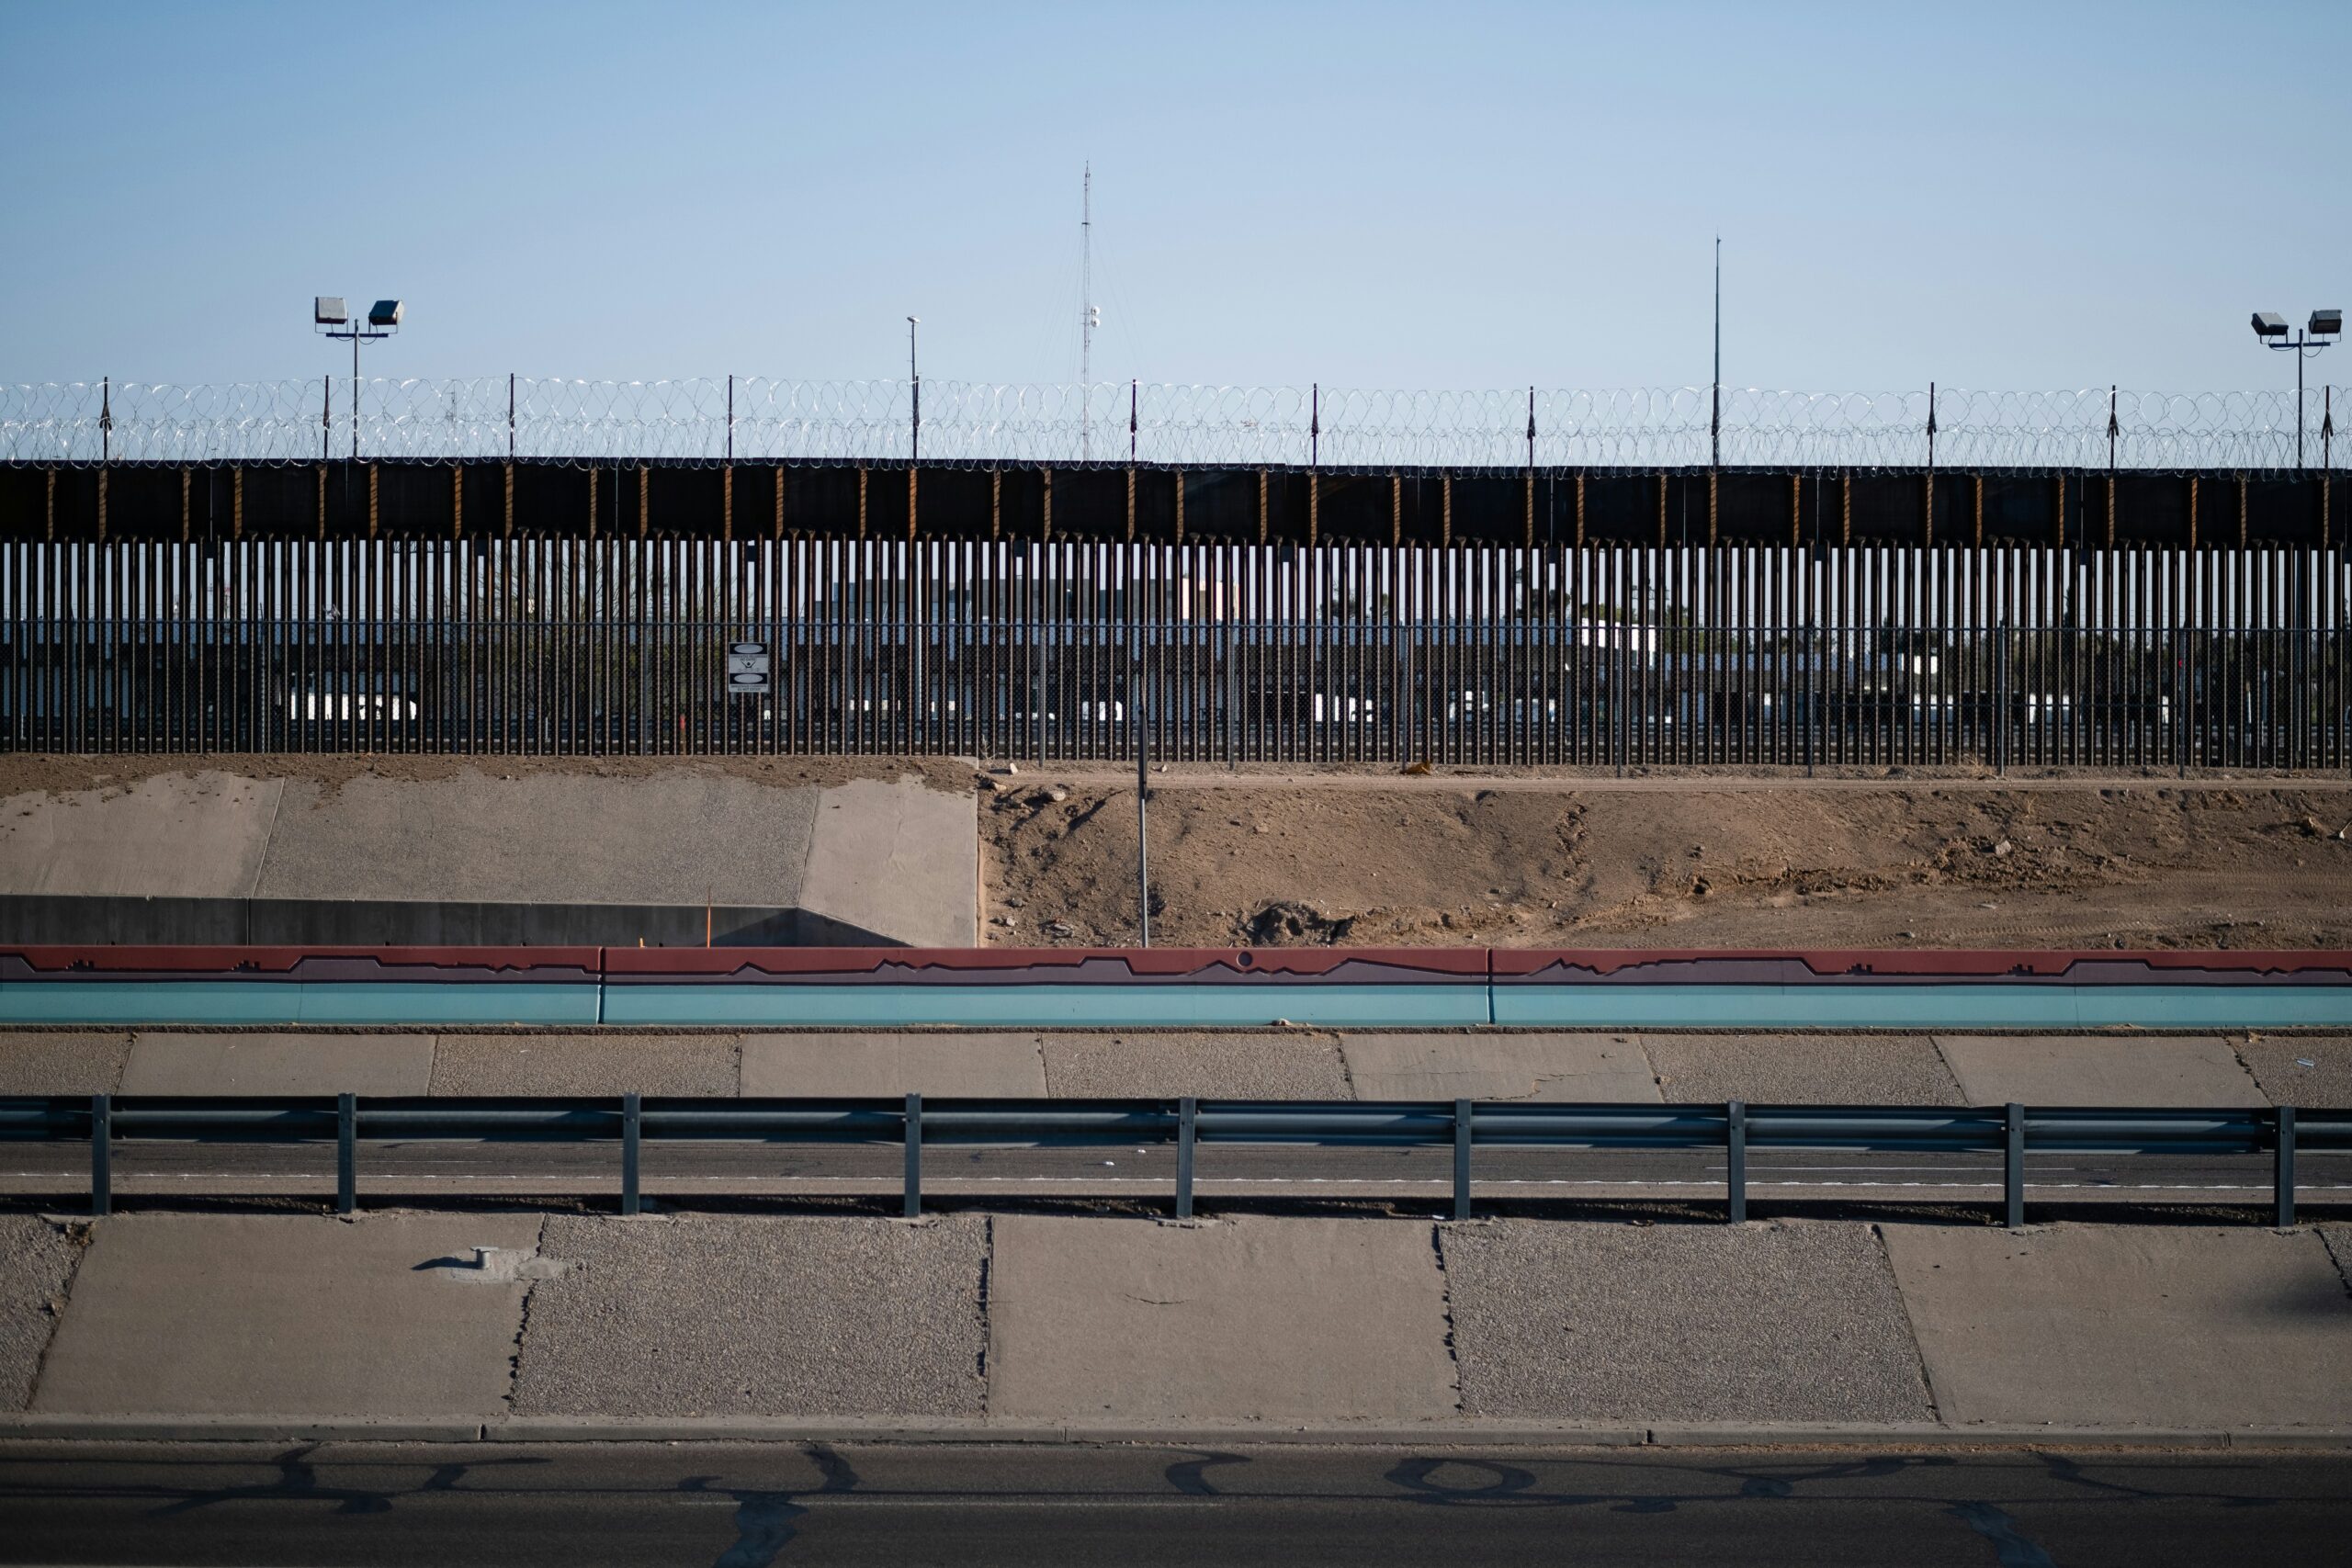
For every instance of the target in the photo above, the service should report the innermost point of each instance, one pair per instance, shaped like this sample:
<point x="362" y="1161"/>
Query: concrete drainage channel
<point x="1115" y="987"/>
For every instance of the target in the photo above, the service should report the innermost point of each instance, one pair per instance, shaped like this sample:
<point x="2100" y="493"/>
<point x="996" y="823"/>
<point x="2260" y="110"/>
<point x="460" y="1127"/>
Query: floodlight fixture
<point x="2272" y="329"/>
<point x="331" y="317"/>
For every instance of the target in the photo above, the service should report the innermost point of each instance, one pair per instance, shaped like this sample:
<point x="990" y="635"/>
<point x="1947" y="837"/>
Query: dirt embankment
<point x="1428" y="860"/>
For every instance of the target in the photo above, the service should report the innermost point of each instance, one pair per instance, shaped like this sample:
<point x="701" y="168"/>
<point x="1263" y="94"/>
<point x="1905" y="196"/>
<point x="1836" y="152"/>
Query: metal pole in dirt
<point x="1143" y="798"/>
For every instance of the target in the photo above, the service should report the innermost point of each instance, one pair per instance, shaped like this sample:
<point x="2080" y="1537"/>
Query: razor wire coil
<point x="767" y="420"/>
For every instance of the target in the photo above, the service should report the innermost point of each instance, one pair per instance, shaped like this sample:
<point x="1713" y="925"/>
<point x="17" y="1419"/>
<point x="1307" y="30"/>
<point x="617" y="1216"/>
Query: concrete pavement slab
<point x="768" y="1316"/>
<point x="900" y="859"/>
<point x="679" y="837"/>
<point x="2339" y="1241"/>
<point x="173" y="835"/>
<point x="1802" y="1069"/>
<point x="1796" y="1322"/>
<point x="2098" y="1069"/>
<point x="584" y="1064"/>
<point x="37" y="1260"/>
<point x="1245" y="1319"/>
<point x="233" y="1314"/>
<point x="165" y="1062"/>
<point x="947" y="1065"/>
<point x="40" y="1063"/>
<point x="1278" y="1064"/>
<point x="2300" y="1069"/>
<point x="2128" y="1325"/>
<point x="1499" y="1066"/>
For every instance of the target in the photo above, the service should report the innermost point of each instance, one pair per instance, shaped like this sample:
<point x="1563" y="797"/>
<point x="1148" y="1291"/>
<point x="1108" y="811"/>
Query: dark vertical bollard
<point x="347" y="1154"/>
<point x="914" y="1157"/>
<point x="2283" y="1165"/>
<point x="101" y="1154"/>
<point x="1461" y="1159"/>
<point x="632" y="1117"/>
<point x="1735" y="1161"/>
<point x="2013" y="1168"/>
<point x="1186" y="1109"/>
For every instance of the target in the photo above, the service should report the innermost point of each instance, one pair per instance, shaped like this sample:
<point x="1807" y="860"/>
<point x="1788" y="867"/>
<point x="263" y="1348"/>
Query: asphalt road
<point x="739" y="1506"/>
<point x="685" y="1171"/>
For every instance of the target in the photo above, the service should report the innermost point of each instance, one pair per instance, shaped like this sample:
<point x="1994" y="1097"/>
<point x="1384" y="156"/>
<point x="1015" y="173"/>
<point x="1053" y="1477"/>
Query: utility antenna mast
<point x="1088" y="318"/>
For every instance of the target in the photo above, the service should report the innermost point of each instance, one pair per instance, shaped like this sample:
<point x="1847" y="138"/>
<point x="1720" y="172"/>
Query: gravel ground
<point x="584" y="1064"/>
<point x="63" y="1064"/>
<point x="1679" y="1322"/>
<point x="725" y="1316"/>
<point x="2278" y="1065"/>
<point x="36" y="1261"/>
<point x="1789" y="1069"/>
<point x="1273" y="1065"/>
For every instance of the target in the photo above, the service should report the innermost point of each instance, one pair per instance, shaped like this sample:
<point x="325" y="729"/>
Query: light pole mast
<point x="2271" y="328"/>
<point x="1086" y="314"/>
<point x="1715" y="400"/>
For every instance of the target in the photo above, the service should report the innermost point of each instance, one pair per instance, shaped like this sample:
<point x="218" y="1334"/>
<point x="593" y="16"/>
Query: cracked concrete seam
<point x="522" y="1309"/>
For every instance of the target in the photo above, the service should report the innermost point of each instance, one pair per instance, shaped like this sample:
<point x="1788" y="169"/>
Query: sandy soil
<point x="1680" y="863"/>
<point x="1361" y="856"/>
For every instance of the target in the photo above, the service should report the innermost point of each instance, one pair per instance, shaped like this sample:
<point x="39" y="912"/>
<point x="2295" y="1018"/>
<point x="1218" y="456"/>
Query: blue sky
<point x="1452" y="195"/>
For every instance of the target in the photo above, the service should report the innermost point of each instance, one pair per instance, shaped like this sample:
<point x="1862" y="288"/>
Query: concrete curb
<point x="886" y="1429"/>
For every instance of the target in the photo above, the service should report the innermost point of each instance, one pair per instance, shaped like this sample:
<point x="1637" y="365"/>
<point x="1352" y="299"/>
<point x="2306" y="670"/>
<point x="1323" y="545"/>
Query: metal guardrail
<point x="1466" y="1126"/>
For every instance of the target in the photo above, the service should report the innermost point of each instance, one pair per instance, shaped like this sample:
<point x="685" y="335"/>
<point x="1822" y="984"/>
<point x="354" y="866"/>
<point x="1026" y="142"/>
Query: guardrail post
<point x="347" y="1152"/>
<point x="632" y="1115"/>
<point x="2013" y="1169"/>
<point x="914" y="1157"/>
<point x="1735" y="1161"/>
<point x="2283" y="1165"/>
<point x="1461" y="1159"/>
<point x="1186" y="1109"/>
<point x="101" y="1154"/>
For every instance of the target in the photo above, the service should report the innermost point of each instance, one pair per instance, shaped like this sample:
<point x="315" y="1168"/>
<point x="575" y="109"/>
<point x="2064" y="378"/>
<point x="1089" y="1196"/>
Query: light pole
<point x="2271" y="328"/>
<point x="914" y="428"/>
<point x="328" y="314"/>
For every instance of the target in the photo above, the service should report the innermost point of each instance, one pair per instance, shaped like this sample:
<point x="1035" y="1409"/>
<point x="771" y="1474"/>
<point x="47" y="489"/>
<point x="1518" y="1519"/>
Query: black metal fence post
<point x="914" y="1157"/>
<point x="1461" y="1159"/>
<point x="1186" y="1109"/>
<point x="1735" y="1161"/>
<point x="632" y="1117"/>
<point x="2283" y="1165"/>
<point x="101" y="1154"/>
<point x="347" y="1152"/>
<point x="2013" y="1168"/>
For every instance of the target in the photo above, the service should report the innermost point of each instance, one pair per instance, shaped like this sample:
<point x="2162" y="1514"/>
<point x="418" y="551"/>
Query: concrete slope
<point x="199" y="835"/>
<point x="894" y="862"/>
